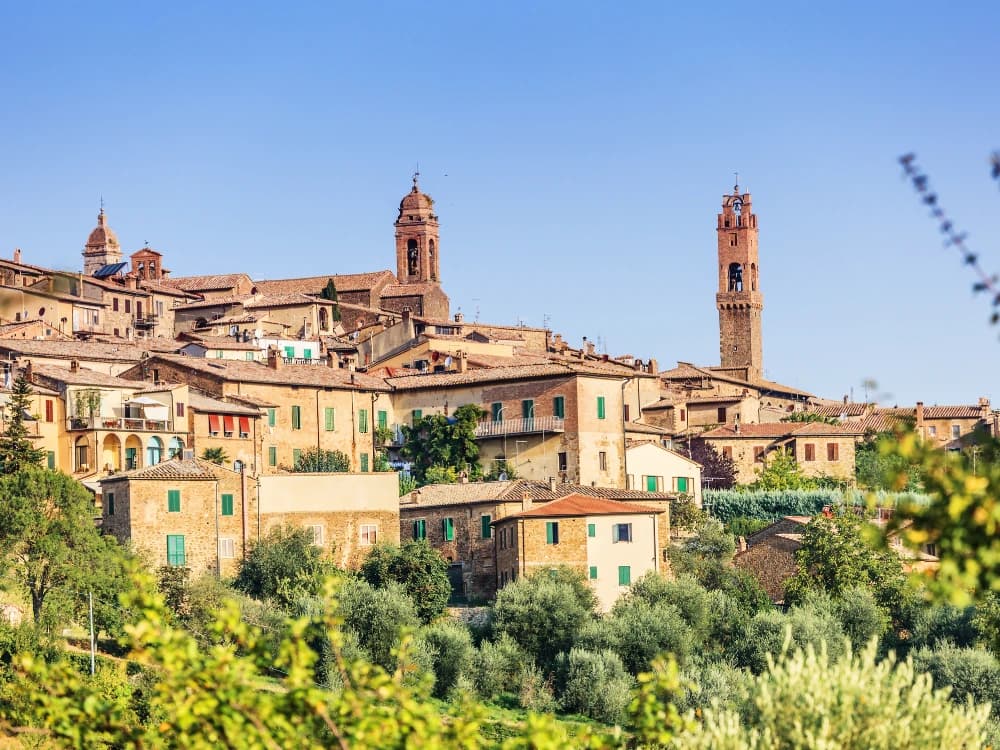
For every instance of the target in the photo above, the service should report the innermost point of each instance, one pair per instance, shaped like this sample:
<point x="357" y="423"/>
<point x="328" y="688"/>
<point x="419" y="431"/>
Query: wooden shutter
<point x="227" y="505"/>
<point x="296" y="417"/>
<point x="601" y="413"/>
<point x="173" y="501"/>
<point x="484" y="522"/>
<point x="329" y="419"/>
<point x="624" y="575"/>
<point x="272" y="455"/>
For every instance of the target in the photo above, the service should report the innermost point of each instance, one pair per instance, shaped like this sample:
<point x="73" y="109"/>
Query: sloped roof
<point x="209" y="283"/>
<point x="515" y="490"/>
<point x="347" y="282"/>
<point x="208" y="405"/>
<point x="782" y="429"/>
<point x="174" y="469"/>
<point x="82" y="350"/>
<point x="83" y="376"/>
<point x="289" y="299"/>
<point x="582" y="505"/>
<point x="411" y="290"/>
<point x="417" y="380"/>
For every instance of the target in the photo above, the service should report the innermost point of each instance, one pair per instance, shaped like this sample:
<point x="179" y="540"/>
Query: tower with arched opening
<point x="417" y="239"/>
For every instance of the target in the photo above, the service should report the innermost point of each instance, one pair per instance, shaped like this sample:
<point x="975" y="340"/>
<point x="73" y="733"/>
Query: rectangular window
<point x="272" y="416"/>
<point x="307" y="353"/>
<point x="758" y="454"/>
<point x="559" y="406"/>
<point x="682" y="484"/>
<point x="626" y="412"/>
<point x="362" y="420"/>
<point x="244" y="424"/>
<point x="249" y="356"/>
<point x="956" y="431"/>
<point x="227" y="505"/>
<point x="420" y="529"/>
<point x="485" y="528"/>
<point x="624" y="575"/>
<point x="111" y="503"/>
<point x="720" y="416"/>
<point x="602" y="460"/>
<point x="622" y="532"/>
<point x="932" y="431"/>
<point x="329" y="419"/>
<point x="601" y="413"/>
<point x="383" y="420"/>
<point x="296" y="417"/>
<point x="296" y="456"/>
<point x="496" y="409"/>
<point x="591" y="530"/>
<point x="683" y="415"/>
<point x="49" y="410"/>
<point x="364" y="462"/>
<point x="51" y="459"/>
<point x="272" y="455"/>
<point x="416" y="415"/>
<point x="82" y="458"/>
<point x="727" y="452"/>
<point x="832" y="452"/>
<point x="228" y="426"/>
<point x="180" y="409"/>
<point x="593" y="572"/>
<point x="527" y="409"/>
<point x="561" y="457"/>
<point x="128" y="305"/>
<point x="448" y="529"/>
<point x="220" y="354"/>
<point x="652" y="484"/>
<point x="317" y="534"/>
<point x="369" y="534"/>
<point x="173" y="501"/>
<point x="289" y="352"/>
<point x="227" y="548"/>
<point x="552" y="532"/>
<point x="114" y="304"/>
<point x="175" y="550"/>
<point x="810" y="451"/>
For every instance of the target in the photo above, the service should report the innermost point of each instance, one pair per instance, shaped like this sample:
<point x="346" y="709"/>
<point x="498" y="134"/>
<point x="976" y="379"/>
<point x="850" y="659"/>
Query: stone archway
<point x="111" y="453"/>
<point x="133" y="452"/>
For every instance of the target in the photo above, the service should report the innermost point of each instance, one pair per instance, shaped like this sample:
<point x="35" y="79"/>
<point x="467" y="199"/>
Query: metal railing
<point x="119" y="423"/>
<point x="488" y="428"/>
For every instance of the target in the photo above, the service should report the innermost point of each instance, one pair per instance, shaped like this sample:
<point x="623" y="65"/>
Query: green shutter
<point x="175" y="550"/>
<point x="51" y="459"/>
<point x="227" y="505"/>
<point x="651" y="484"/>
<point x="484" y="522"/>
<point x="364" y="462"/>
<point x="448" y="529"/>
<point x="591" y="529"/>
<point x="362" y="420"/>
<point x="383" y="420"/>
<point x="307" y="353"/>
<point x="173" y="501"/>
<point x="418" y="414"/>
<point x="271" y="416"/>
<point x="296" y="455"/>
<point x="290" y="352"/>
<point x="496" y="409"/>
<point x="682" y="484"/>
<point x="296" y="417"/>
<point x="593" y="572"/>
<point x="329" y="416"/>
<point x="250" y="357"/>
<point x="624" y="575"/>
<point x="272" y="455"/>
<point x="111" y="503"/>
<point x="600" y="407"/>
<point x="527" y="409"/>
<point x="552" y="532"/>
<point x="420" y="529"/>
<point x="559" y="406"/>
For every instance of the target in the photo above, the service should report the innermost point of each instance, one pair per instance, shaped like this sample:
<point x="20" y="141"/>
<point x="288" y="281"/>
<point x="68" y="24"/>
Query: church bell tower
<point x="417" y="230"/>
<point x="739" y="299"/>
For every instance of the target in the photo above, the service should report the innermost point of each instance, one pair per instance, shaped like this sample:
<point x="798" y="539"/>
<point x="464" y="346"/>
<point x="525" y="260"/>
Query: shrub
<point x="969" y="672"/>
<point x="452" y="651"/>
<point x="496" y="667"/>
<point x="593" y="683"/>
<point x="803" y="626"/>
<point x="535" y="692"/>
<point x="418" y="568"/>
<point x="715" y="684"/>
<point x="860" y="616"/>
<point x="944" y="623"/>
<point x="639" y="632"/>
<point x="377" y="618"/>
<point x="283" y="566"/>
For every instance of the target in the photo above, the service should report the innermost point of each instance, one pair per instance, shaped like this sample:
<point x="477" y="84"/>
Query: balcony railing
<point x="304" y="361"/>
<point x="133" y="424"/>
<point x="148" y="321"/>
<point x="489" y="429"/>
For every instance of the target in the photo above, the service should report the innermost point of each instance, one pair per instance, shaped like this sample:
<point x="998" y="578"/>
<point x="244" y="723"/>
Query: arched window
<point x="735" y="277"/>
<point x="412" y="257"/>
<point x="154" y="451"/>
<point x="81" y="452"/>
<point x="430" y="257"/>
<point x="176" y="448"/>
<point x="324" y="319"/>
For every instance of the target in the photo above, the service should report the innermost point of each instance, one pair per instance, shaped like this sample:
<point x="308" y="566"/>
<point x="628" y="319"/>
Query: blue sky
<point x="577" y="153"/>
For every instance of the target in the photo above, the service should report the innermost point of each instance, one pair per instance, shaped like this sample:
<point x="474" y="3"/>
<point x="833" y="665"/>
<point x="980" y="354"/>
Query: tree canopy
<point x="16" y="448"/>
<point x="717" y="471"/>
<point x="418" y="568"/>
<point x="447" y="442"/>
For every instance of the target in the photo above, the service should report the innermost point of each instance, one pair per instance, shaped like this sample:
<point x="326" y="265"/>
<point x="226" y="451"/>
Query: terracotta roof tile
<point x="48" y="374"/>
<point x="782" y="429"/>
<point x="410" y="290"/>
<point x="228" y="300"/>
<point x="175" y="468"/>
<point x="283" y="300"/>
<point x="82" y="350"/>
<point x="208" y="405"/>
<point x="495" y="374"/>
<point x="515" y="490"/>
<point x="348" y="282"/>
<point x="210" y="283"/>
<point x="219" y="342"/>
<point x="581" y="505"/>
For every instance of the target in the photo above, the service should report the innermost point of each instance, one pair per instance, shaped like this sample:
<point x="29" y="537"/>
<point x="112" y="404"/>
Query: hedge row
<point x="773" y="504"/>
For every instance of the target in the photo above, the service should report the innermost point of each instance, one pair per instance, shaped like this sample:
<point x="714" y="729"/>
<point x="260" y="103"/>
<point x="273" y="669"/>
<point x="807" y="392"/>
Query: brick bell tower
<point x="739" y="299"/>
<point x="417" y="230"/>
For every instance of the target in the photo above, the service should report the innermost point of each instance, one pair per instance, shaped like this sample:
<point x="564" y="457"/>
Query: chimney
<point x="984" y="408"/>
<point x="353" y="377"/>
<point x="133" y="281"/>
<point x="406" y="314"/>
<point x="74" y="365"/>
<point x="654" y="367"/>
<point x="274" y="359"/>
<point x="845" y="399"/>
<point x="17" y="255"/>
<point x="459" y="317"/>
<point x="525" y="500"/>
<point x="552" y="484"/>
<point x="920" y="418"/>
<point x="463" y="361"/>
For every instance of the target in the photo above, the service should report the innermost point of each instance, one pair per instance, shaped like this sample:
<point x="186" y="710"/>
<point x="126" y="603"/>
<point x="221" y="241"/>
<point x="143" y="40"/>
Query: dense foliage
<point x="418" y="568"/>
<point x="321" y="460"/>
<point x="717" y="471"/>
<point x="444" y="441"/>
<point x="773" y="504"/>
<point x="16" y="449"/>
<point x="283" y="566"/>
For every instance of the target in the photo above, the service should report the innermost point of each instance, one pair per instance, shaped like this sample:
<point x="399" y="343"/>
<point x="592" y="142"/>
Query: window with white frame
<point x="369" y="534"/>
<point x="956" y="431"/>
<point x="317" y="534"/>
<point x="227" y="548"/>
<point x="622" y="532"/>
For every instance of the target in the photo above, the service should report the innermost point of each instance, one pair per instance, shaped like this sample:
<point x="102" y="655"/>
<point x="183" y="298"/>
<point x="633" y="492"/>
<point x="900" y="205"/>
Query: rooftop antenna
<point x="736" y="187"/>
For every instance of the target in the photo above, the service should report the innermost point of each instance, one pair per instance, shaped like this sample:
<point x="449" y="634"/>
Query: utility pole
<point x="93" y="641"/>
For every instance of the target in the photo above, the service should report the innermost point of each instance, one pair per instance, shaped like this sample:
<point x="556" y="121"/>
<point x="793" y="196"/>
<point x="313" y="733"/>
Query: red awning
<point x="227" y="423"/>
<point x="244" y="425"/>
<point x="213" y="423"/>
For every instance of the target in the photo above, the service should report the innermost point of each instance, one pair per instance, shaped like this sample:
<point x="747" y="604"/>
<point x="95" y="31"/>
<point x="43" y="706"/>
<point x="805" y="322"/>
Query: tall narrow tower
<point x="739" y="300"/>
<point x="102" y="246"/>
<point x="417" y="229"/>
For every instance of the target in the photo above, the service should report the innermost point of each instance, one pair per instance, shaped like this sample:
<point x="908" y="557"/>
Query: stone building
<point x="612" y="543"/>
<point x="102" y="248"/>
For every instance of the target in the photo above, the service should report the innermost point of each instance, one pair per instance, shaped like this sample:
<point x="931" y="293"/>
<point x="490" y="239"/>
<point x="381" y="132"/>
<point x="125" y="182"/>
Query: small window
<point x="496" y="410"/>
<point x="111" y="503"/>
<point x="593" y="572"/>
<point x="832" y="452"/>
<point x="727" y="452"/>
<point x="758" y="453"/>
<point x="602" y="460"/>
<point x="484" y="524"/>
<point x="272" y="416"/>
<point x="681" y="483"/>
<point x="601" y="411"/>
<point x="364" y="463"/>
<point x="296" y="456"/>
<point x="683" y="415"/>
<point x="329" y="419"/>
<point x="721" y="415"/>
<point x="272" y="455"/>
<point x="219" y="354"/>
<point x="561" y="458"/>
<point x="114" y="304"/>
<point x="448" y="529"/>
<point x="173" y="501"/>
<point x="810" y="452"/>
<point x="362" y="421"/>
<point x="307" y="353"/>
<point x="416" y="415"/>
<point x="128" y="305"/>
<point x="552" y="532"/>
<point x="591" y="530"/>
<point x="420" y="529"/>
<point x="528" y="409"/>
<point x="369" y="534"/>
<point x="289" y="352"/>
<point x="652" y="484"/>
<point x="626" y="412"/>
<point x="317" y="534"/>
<point x="227" y="505"/>
<point x="296" y="417"/>
<point x="51" y="460"/>
<point x="227" y="548"/>
<point x="180" y="409"/>
<point x="559" y="406"/>
<point x="622" y="532"/>
<point x="383" y="420"/>
<point x="932" y="431"/>
<point x="956" y="431"/>
<point x="49" y="410"/>
<point x="249" y="356"/>
<point x="624" y="575"/>
<point x="175" y="550"/>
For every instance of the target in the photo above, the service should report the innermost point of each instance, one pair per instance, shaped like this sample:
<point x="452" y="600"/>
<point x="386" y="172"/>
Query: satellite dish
<point x="447" y="361"/>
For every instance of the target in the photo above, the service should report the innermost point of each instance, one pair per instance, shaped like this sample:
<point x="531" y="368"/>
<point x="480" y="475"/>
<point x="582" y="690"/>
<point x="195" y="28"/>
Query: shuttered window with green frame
<point x="624" y="575"/>
<point x="296" y="455"/>
<point x="227" y="504"/>
<point x="601" y="411"/>
<point x="593" y="572"/>
<point x="175" y="550"/>
<point x="383" y="419"/>
<point x="296" y="417"/>
<point x="272" y="455"/>
<point x="559" y="406"/>
<point x="330" y="419"/>
<point x="173" y="501"/>
<point x="448" y="529"/>
<point x="485" y="528"/>
<point x="496" y="410"/>
<point x="552" y="532"/>
<point x="420" y="528"/>
<point x="362" y="420"/>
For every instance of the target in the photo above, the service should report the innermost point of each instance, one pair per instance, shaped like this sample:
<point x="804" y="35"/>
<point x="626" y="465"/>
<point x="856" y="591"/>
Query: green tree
<point x="453" y="653"/>
<point x="809" y="416"/>
<point x="781" y="472"/>
<point x="417" y="567"/>
<point x="16" y="449"/>
<point x="283" y="567"/>
<point x="879" y="469"/>
<point x="330" y="293"/>
<point x="215" y="455"/>
<point x="318" y="460"/>
<point x="52" y="550"/>
<point x="594" y="683"/>
<point x="717" y="471"/>
<point x="437" y="440"/>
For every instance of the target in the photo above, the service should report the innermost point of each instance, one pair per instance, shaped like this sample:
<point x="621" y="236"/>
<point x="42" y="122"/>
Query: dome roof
<point x="102" y="234"/>
<point x="415" y="200"/>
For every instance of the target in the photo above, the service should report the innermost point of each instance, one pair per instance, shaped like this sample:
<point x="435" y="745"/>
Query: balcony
<point x="148" y="321"/>
<point x="491" y="429"/>
<point x="130" y="424"/>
